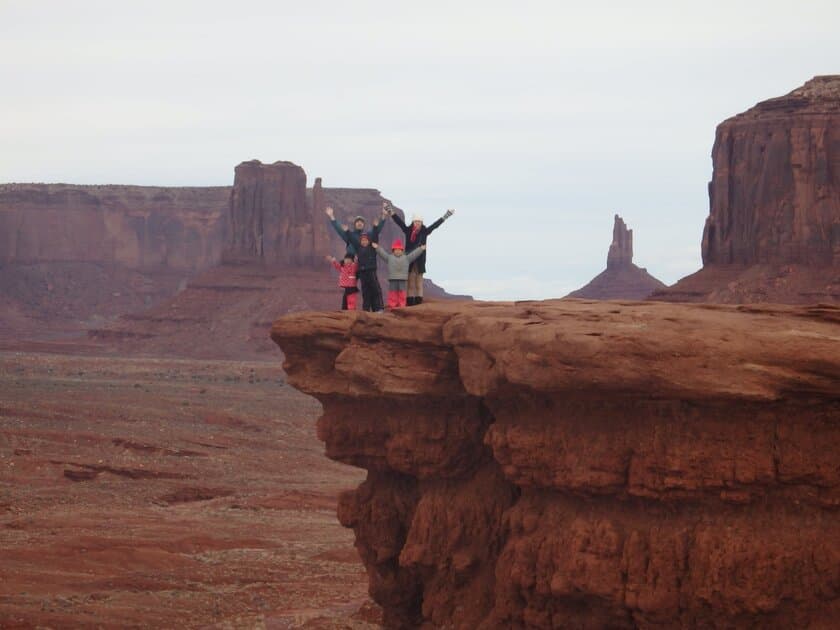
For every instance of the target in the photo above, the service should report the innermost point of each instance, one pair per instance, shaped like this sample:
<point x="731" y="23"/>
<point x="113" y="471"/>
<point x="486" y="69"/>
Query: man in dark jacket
<point x="358" y="228"/>
<point x="415" y="236"/>
<point x="366" y="258"/>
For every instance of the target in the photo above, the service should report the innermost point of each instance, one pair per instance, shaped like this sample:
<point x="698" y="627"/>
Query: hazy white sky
<point x="537" y="121"/>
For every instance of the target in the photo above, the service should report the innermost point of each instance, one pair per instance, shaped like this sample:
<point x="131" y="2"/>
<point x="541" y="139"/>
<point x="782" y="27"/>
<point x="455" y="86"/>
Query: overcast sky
<point x="537" y="121"/>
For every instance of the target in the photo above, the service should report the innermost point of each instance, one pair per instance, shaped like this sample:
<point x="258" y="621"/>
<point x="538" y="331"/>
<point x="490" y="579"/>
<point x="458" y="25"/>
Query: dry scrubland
<point x="147" y="492"/>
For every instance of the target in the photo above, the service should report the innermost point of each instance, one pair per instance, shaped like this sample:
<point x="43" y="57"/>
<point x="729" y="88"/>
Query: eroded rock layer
<point x="587" y="465"/>
<point x="775" y="191"/>
<point x="139" y="227"/>
<point x="773" y="231"/>
<point x="269" y="218"/>
<point x="138" y="265"/>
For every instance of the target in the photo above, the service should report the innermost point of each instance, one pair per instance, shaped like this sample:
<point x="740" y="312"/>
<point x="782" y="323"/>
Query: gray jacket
<point x="398" y="265"/>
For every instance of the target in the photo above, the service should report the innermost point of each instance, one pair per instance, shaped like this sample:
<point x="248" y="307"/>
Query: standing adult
<point x="358" y="227"/>
<point x="415" y="236"/>
<point x="359" y="246"/>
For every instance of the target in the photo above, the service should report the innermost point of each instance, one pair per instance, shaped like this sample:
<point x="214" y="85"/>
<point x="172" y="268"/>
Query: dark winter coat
<point x="365" y="256"/>
<point x="346" y="235"/>
<point x="419" y="265"/>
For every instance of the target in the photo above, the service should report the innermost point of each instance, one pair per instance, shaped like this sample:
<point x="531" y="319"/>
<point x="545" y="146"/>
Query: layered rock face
<point x="237" y="301"/>
<point x="775" y="191"/>
<point x="139" y="227"/>
<point x="270" y="221"/>
<point x="75" y="258"/>
<point x="621" y="279"/>
<point x="773" y="231"/>
<point x="72" y="257"/>
<point x="585" y="465"/>
<point x="620" y="253"/>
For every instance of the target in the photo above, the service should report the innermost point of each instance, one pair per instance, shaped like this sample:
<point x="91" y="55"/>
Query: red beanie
<point x="397" y="244"/>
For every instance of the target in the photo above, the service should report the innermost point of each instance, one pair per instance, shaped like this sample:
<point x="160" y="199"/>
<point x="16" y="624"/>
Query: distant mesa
<point x="773" y="231"/>
<point x="621" y="279"/>
<point x="158" y="269"/>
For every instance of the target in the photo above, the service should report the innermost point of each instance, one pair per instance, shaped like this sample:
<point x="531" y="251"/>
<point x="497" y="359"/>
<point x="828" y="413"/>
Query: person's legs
<point x="344" y="300"/>
<point x="418" y="290"/>
<point x="368" y="290"/>
<point x="396" y="293"/>
<point x="376" y="290"/>
<point x="350" y="296"/>
<point x="412" y="287"/>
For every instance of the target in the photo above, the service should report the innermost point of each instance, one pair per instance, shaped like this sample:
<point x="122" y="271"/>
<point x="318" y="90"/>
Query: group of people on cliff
<point x="406" y="262"/>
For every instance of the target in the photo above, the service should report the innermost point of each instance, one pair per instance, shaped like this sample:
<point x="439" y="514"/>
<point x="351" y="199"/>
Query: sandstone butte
<point x="272" y="262"/>
<point x="773" y="231"/>
<point x="157" y="269"/>
<point x="621" y="279"/>
<point x="576" y="464"/>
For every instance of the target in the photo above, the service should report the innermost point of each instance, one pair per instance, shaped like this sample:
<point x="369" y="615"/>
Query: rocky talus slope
<point x="585" y="464"/>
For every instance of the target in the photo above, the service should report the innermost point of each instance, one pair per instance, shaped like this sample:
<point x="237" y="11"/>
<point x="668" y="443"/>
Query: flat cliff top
<point x="819" y="96"/>
<point x="636" y="349"/>
<point x="110" y="188"/>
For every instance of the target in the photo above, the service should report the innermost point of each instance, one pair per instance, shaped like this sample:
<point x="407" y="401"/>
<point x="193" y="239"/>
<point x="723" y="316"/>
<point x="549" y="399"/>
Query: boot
<point x="410" y="300"/>
<point x="418" y="300"/>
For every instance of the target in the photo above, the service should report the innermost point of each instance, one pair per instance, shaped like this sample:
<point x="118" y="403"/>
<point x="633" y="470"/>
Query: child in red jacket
<point x="347" y="281"/>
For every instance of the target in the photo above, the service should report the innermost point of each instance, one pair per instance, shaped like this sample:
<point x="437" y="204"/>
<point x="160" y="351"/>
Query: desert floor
<point x="144" y="492"/>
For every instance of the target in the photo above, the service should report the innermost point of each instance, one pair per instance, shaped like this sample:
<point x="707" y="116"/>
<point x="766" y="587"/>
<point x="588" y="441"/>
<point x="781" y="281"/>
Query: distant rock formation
<point x="621" y="279"/>
<point x="570" y="464"/>
<point x="139" y="227"/>
<point x="72" y="257"/>
<point x="773" y="231"/>
<point x="270" y="221"/>
<point x="620" y="253"/>
<point x="75" y="258"/>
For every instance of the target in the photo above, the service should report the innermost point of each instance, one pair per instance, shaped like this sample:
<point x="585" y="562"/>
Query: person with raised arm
<point x="416" y="234"/>
<point x="358" y="228"/>
<point x="346" y="280"/>
<point x="398" y="263"/>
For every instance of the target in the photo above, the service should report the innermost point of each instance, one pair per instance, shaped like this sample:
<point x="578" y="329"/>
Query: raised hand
<point x="329" y="258"/>
<point x="375" y="245"/>
<point x="330" y="212"/>
<point x="422" y="247"/>
<point x="449" y="213"/>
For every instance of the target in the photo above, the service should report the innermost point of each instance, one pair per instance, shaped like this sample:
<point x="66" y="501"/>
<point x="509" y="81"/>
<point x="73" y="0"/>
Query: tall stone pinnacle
<point x="621" y="249"/>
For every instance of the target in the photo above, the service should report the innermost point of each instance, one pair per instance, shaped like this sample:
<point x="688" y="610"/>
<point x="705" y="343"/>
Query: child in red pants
<point x="398" y="263"/>
<point x="347" y="281"/>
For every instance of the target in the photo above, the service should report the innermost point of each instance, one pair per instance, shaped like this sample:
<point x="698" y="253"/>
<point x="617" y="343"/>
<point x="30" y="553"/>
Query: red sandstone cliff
<point x="773" y="231"/>
<point x="75" y="258"/>
<point x="72" y="257"/>
<point x="139" y="227"/>
<point x="585" y="465"/>
<point x="270" y="220"/>
<point x="621" y="279"/>
<point x="273" y="263"/>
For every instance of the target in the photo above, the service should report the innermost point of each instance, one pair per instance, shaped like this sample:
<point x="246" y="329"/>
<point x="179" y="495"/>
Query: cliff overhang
<point x="585" y="464"/>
